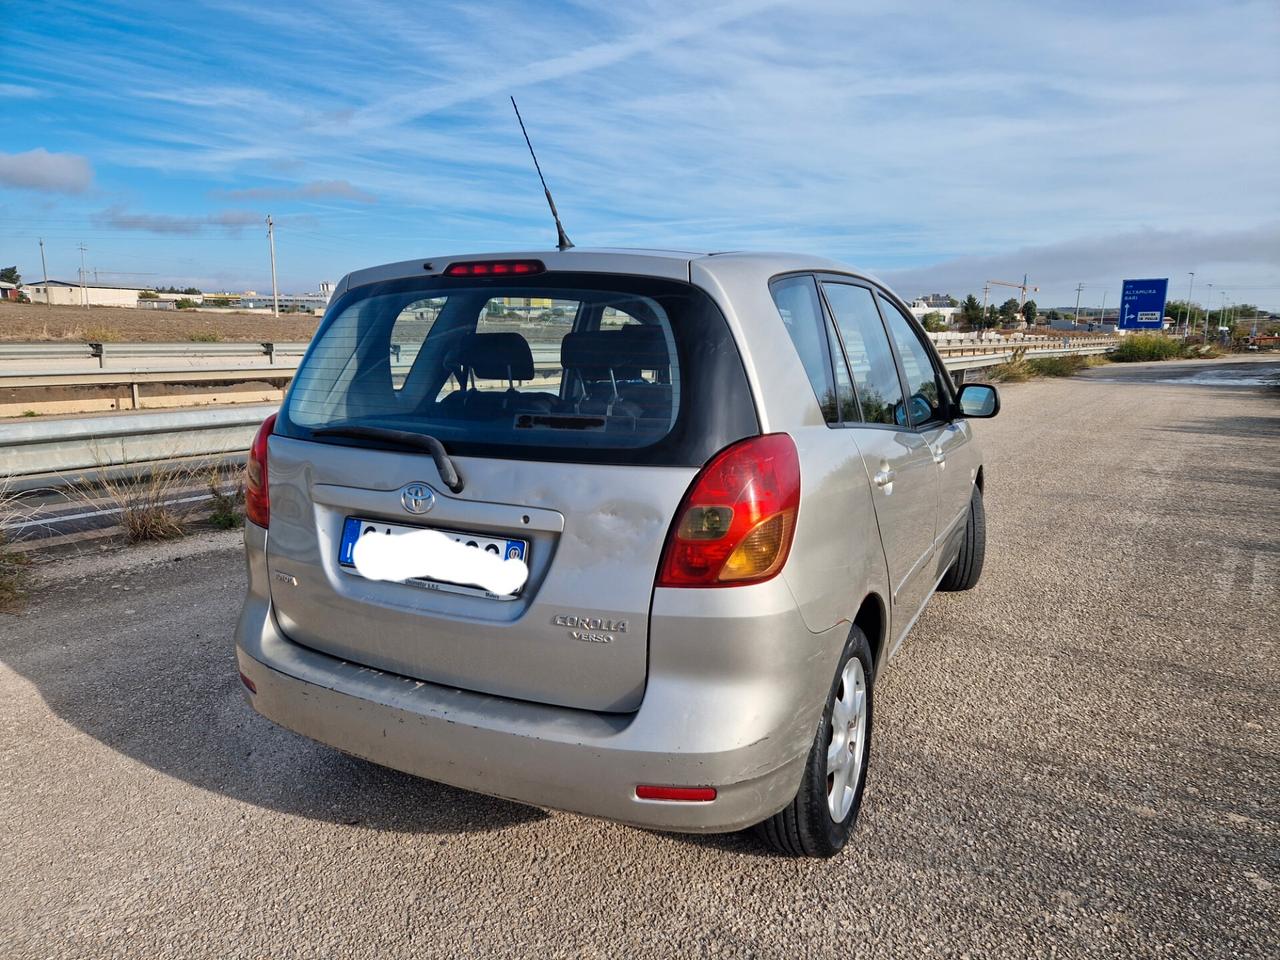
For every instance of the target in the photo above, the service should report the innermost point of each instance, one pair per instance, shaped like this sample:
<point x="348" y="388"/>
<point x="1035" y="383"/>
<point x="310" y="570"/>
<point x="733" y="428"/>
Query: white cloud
<point x="39" y="169"/>
<point x="17" y="91"/>
<point x="118" y="218"/>
<point x="314" y="190"/>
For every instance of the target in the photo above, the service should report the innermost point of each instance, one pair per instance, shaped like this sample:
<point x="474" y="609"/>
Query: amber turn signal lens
<point x="761" y="550"/>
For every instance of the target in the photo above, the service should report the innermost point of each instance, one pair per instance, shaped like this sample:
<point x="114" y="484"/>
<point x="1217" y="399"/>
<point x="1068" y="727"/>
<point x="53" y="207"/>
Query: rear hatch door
<point x="577" y="409"/>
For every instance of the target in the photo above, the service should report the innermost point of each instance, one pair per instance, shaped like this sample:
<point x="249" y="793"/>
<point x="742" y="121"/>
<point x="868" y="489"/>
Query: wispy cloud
<point x="315" y="190"/>
<point x="18" y="91"/>
<point x="118" y="218"/>
<point x="39" y="169"/>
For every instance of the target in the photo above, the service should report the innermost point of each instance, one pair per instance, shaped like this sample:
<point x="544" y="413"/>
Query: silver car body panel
<point x="721" y="687"/>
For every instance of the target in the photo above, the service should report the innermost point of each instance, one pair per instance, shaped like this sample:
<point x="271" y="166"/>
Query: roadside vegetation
<point x="227" y="511"/>
<point x="167" y="504"/>
<point x="1139" y="347"/>
<point x="14" y="572"/>
<point x="1020" y="369"/>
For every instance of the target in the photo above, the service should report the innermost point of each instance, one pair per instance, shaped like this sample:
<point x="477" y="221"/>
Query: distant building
<point x="936" y="300"/>
<point x="935" y="303"/>
<point x="8" y="291"/>
<point x="67" y="294"/>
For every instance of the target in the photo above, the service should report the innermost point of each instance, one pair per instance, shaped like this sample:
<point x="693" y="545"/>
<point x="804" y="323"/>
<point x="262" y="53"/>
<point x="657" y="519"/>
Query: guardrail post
<point x="95" y="350"/>
<point x="133" y="392"/>
<point x="270" y="349"/>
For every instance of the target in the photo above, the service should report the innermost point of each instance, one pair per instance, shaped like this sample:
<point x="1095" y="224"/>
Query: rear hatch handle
<point x="403" y="438"/>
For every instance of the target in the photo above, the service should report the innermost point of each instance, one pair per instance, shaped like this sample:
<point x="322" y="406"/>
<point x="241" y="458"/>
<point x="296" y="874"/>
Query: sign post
<point x="1142" y="304"/>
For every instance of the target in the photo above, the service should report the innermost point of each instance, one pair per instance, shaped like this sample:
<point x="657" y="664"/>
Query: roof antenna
<point x="562" y="239"/>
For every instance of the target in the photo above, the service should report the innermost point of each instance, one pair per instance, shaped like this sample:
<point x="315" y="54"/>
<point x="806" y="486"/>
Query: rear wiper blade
<point x="402" y="438"/>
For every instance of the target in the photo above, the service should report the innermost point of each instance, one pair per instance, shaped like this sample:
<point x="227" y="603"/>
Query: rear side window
<point x="870" y="358"/>
<point x="587" y="367"/>
<point x="797" y="301"/>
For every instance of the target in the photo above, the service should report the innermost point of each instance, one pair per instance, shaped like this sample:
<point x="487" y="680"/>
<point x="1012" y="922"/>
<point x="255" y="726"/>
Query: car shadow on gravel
<point x="173" y="701"/>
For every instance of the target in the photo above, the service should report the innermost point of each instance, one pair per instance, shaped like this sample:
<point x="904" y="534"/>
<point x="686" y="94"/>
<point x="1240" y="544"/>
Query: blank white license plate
<point x="353" y="528"/>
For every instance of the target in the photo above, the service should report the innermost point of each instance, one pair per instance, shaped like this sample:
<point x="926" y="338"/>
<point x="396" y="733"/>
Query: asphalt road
<point x="1079" y="758"/>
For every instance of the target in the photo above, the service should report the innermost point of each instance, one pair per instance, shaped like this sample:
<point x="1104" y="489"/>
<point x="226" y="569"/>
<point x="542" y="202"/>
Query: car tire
<point x="967" y="570"/>
<point x="818" y="822"/>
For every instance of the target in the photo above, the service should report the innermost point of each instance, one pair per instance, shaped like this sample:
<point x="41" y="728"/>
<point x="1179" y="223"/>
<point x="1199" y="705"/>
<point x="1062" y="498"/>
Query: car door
<point x="897" y="457"/>
<point x="930" y="404"/>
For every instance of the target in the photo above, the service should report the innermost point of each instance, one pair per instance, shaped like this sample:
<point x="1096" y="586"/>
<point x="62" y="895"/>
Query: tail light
<point x="736" y="522"/>
<point x="257" y="502"/>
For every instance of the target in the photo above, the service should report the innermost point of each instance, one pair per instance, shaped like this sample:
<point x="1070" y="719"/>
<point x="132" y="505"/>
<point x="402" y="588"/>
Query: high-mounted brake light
<point x="494" y="268"/>
<point x="257" y="502"/>
<point x="737" y="520"/>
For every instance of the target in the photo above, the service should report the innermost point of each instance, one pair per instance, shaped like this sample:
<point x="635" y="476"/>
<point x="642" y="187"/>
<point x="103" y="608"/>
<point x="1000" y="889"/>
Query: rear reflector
<point x="495" y="268"/>
<point x="646" y="791"/>
<point x="248" y="683"/>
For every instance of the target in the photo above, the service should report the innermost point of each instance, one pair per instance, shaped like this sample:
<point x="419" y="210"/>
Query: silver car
<point x="735" y="480"/>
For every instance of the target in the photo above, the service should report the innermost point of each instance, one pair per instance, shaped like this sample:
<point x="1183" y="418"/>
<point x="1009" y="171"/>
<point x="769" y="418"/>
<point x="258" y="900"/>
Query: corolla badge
<point x="417" y="498"/>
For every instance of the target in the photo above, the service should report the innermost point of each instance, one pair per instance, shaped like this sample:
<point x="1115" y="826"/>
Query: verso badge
<point x="417" y="498"/>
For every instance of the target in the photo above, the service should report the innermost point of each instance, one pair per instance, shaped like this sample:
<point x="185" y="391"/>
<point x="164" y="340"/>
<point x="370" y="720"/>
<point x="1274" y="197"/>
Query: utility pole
<point x="84" y="294"/>
<point x="1186" y="320"/>
<point x="45" y="270"/>
<point x="271" y="242"/>
<point x="986" y="289"/>
<point x="1102" y="317"/>
<point x="1208" y="302"/>
<point x="1079" y="289"/>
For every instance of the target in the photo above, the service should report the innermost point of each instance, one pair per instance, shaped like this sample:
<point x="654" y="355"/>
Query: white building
<point x="921" y="307"/>
<point x="66" y="294"/>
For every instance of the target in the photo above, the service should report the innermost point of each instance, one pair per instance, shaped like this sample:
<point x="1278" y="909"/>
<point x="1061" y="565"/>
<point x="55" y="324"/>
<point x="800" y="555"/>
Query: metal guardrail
<point x="102" y="352"/>
<point x="48" y="452"/>
<point x="38" y="452"/>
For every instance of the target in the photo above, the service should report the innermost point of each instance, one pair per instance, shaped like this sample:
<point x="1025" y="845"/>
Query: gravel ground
<point x="1079" y="758"/>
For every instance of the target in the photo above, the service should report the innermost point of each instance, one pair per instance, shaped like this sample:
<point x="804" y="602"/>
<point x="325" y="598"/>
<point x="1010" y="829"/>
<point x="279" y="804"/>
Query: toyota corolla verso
<point x="735" y="480"/>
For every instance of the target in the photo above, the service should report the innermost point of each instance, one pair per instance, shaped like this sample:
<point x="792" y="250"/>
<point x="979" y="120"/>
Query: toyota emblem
<point x="417" y="498"/>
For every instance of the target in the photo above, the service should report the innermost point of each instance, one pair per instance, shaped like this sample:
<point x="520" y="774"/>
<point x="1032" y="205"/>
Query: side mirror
<point x="978" y="400"/>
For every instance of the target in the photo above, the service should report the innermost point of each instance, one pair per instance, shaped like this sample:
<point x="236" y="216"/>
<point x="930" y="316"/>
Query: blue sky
<point x="938" y="144"/>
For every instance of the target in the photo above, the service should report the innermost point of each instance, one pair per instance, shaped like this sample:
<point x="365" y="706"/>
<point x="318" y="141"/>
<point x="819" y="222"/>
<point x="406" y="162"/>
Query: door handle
<point x="884" y="477"/>
<point x="940" y="457"/>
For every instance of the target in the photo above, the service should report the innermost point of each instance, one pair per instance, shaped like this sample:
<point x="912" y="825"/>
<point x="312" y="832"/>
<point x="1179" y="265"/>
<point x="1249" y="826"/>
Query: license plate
<point x="353" y="528"/>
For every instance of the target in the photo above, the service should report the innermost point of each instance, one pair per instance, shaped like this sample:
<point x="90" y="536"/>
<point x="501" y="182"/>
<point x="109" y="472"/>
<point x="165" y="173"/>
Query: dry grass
<point x="1067" y="366"/>
<point x="149" y="506"/>
<point x="1014" y="370"/>
<point x="13" y="565"/>
<point x="35" y="321"/>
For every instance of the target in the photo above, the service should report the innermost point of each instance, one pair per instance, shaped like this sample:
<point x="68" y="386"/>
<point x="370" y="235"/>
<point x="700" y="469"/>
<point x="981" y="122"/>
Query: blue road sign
<point x="1142" y="304"/>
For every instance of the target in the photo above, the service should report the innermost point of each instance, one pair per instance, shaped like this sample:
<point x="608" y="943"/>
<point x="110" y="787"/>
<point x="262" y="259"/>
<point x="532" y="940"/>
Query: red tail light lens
<point x="736" y="522"/>
<point x="494" y="268"/>
<point x="257" y="503"/>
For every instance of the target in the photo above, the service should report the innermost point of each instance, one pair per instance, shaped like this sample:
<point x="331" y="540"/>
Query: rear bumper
<point x="542" y="755"/>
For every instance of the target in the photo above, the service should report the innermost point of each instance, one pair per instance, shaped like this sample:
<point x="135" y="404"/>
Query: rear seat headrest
<point x="493" y="356"/>
<point x="625" y="351"/>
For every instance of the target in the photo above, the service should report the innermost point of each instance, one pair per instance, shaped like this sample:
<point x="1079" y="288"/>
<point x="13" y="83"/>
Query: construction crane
<point x="1021" y="287"/>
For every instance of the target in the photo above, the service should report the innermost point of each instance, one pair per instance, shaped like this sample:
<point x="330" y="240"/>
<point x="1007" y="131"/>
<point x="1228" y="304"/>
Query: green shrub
<point x="206" y="337"/>
<point x="1147" y="346"/>
<point x="227" y="511"/>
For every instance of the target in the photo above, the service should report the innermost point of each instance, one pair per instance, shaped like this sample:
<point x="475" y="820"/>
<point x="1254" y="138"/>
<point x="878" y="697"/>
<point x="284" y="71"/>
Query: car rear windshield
<point x="579" y="367"/>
